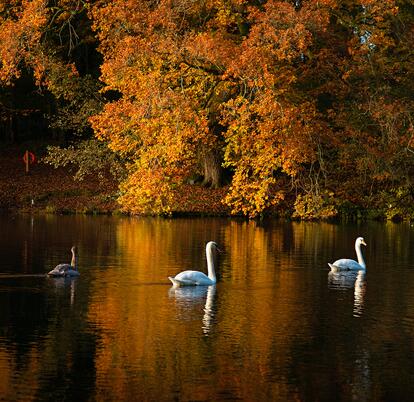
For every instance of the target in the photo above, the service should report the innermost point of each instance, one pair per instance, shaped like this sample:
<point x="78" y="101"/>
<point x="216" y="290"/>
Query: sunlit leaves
<point x="21" y="25"/>
<point x="307" y="100"/>
<point x="197" y="74"/>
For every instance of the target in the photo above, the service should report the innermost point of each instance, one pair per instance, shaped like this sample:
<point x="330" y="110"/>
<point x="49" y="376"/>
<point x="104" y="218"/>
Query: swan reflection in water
<point x="63" y="282"/>
<point x="188" y="298"/>
<point x="348" y="280"/>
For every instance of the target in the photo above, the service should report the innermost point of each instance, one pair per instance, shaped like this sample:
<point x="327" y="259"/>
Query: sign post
<point x="28" y="159"/>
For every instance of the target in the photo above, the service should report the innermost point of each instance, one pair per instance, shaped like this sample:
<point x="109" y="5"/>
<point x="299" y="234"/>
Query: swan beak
<point x="363" y="242"/>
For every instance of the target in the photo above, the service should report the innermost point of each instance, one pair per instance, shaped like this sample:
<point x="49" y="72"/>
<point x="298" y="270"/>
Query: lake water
<point x="276" y="327"/>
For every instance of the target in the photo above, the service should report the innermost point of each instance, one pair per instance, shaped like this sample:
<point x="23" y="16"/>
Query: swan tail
<point x="341" y="268"/>
<point x="335" y="268"/>
<point x="179" y="282"/>
<point x="56" y="272"/>
<point x="60" y="270"/>
<point x="174" y="281"/>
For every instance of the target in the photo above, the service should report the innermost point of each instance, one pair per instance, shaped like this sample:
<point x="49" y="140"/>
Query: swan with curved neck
<point x="67" y="269"/>
<point x="194" y="278"/>
<point x="346" y="264"/>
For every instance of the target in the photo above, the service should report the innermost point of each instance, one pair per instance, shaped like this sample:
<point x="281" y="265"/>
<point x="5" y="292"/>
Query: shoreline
<point x="48" y="190"/>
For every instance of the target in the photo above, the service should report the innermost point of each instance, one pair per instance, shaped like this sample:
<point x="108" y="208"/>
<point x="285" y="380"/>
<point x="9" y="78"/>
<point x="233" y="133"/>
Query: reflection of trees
<point x="266" y="336"/>
<point x="64" y="362"/>
<point x="277" y="331"/>
<point x="48" y="350"/>
<point x="265" y="309"/>
<point x="19" y="314"/>
<point x="46" y="347"/>
<point x="262" y="310"/>
<point x="149" y="244"/>
<point x="36" y="244"/>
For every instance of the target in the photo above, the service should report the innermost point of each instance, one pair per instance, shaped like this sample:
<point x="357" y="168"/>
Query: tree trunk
<point x="212" y="169"/>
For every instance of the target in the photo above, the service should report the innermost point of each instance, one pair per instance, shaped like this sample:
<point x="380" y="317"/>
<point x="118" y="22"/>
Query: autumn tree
<point x="203" y="83"/>
<point x="274" y="127"/>
<point x="301" y="103"/>
<point x="373" y="164"/>
<point x="51" y="45"/>
<point x="157" y="55"/>
<point x="42" y="39"/>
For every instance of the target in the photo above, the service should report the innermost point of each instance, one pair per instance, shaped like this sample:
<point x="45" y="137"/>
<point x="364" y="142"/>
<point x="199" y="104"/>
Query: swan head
<point x="213" y="245"/>
<point x="359" y="241"/>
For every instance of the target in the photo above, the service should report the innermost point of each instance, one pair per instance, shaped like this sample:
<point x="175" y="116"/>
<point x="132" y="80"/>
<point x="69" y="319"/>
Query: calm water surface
<point x="276" y="327"/>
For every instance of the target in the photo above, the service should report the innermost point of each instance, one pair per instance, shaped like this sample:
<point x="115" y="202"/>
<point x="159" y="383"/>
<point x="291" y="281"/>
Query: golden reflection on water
<point x="235" y="340"/>
<point x="149" y="328"/>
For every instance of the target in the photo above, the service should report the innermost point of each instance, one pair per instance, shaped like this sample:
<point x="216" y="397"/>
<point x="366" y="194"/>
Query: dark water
<point x="276" y="327"/>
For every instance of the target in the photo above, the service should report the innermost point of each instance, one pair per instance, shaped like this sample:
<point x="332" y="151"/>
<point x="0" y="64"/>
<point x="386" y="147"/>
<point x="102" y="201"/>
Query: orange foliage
<point x="315" y="93"/>
<point x="20" y="32"/>
<point x="179" y="65"/>
<point x="24" y="28"/>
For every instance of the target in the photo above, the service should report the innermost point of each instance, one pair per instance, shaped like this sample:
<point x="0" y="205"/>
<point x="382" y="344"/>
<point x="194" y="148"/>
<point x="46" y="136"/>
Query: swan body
<point x="66" y="269"/>
<point x="346" y="264"/>
<point x="63" y="270"/>
<point x="194" y="278"/>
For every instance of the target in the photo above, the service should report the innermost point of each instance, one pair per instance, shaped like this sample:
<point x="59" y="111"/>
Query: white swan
<point x="346" y="264"/>
<point x="67" y="269"/>
<point x="192" y="278"/>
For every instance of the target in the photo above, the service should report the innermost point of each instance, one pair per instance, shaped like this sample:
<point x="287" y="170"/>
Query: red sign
<point x="28" y="159"/>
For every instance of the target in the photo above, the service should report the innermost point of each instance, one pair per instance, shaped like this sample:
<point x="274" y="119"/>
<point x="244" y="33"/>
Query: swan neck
<point x="359" y="255"/>
<point x="74" y="262"/>
<point x="210" y="263"/>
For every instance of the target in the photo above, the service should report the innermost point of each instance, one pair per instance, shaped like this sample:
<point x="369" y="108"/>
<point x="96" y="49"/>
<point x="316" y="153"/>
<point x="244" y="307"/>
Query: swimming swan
<point x="67" y="269"/>
<point x="346" y="264"/>
<point x="193" y="278"/>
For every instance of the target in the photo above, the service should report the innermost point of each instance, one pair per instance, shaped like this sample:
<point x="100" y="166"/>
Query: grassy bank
<point x="45" y="189"/>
